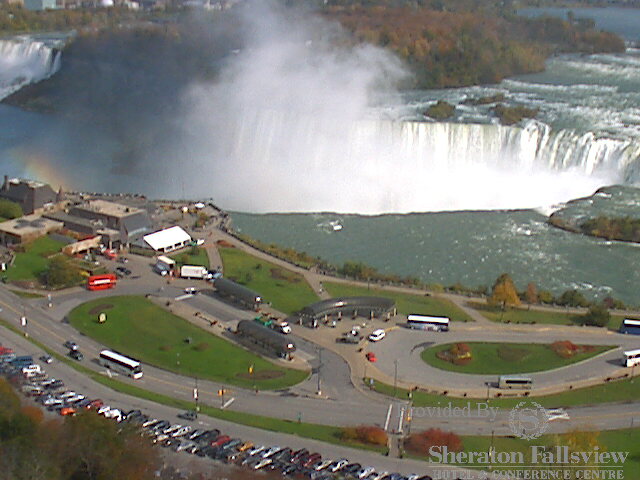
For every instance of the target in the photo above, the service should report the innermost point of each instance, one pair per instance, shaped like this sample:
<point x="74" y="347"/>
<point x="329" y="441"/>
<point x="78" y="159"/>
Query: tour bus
<point x="631" y="358"/>
<point x="507" y="381"/>
<point x="424" y="322"/>
<point x="630" y="326"/>
<point x="121" y="364"/>
<point x="101" y="282"/>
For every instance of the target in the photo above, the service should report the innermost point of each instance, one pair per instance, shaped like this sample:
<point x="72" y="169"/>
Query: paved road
<point x="82" y="384"/>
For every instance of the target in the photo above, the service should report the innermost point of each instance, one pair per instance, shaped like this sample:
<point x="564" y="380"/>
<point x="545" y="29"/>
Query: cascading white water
<point x="23" y="61"/>
<point x="374" y="166"/>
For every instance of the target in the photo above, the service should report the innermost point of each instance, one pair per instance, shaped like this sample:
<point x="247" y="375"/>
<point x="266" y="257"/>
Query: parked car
<point x="371" y="357"/>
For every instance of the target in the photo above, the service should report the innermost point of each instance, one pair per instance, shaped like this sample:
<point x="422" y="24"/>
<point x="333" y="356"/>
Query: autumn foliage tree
<point x="504" y="292"/>
<point x="365" y="434"/>
<point x="421" y="442"/>
<point x="87" y="446"/>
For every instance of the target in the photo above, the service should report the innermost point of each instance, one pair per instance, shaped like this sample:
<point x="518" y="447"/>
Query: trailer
<point x="194" y="271"/>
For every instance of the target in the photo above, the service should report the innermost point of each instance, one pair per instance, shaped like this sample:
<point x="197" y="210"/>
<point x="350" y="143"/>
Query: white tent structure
<point x="168" y="240"/>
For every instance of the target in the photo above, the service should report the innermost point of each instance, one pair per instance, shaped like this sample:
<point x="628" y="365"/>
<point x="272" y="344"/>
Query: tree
<point x="572" y="298"/>
<point x="504" y="292"/>
<point x="597" y="316"/>
<point x="531" y="295"/>
<point x="9" y="209"/>
<point x="61" y="273"/>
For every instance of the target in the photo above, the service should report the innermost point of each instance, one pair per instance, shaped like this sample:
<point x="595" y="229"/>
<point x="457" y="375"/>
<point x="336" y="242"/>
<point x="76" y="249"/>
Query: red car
<point x="94" y="404"/>
<point x="221" y="440"/>
<point x="371" y="357"/>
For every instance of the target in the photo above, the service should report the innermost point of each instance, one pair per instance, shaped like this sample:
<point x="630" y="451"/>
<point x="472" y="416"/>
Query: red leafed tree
<point x="421" y="442"/>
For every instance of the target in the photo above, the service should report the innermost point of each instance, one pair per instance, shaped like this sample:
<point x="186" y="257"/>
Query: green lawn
<point x="192" y="256"/>
<point x="287" y="291"/>
<point x="523" y="315"/>
<point x="507" y="358"/>
<point x="405" y="302"/>
<point x="22" y="294"/>
<point x="137" y="327"/>
<point x="33" y="262"/>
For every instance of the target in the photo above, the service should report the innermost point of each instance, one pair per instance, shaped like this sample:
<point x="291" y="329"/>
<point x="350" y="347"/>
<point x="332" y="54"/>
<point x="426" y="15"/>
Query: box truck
<point x="194" y="271"/>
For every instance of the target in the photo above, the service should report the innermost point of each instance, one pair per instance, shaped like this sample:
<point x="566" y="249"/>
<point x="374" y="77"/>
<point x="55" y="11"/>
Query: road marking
<point x="386" y="422"/>
<point x="227" y="403"/>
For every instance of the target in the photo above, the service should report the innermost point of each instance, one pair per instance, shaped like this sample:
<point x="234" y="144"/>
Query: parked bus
<point x="507" y="381"/>
<point x="630" y="326"/>
<point x="121" y="364"/>
<point x="631" y="358"/>
<point x="424" y="322"/>
<point x="101" y="282"/>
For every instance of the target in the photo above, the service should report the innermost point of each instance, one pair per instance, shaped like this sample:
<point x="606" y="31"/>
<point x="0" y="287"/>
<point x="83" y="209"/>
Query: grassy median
<point x="135" y="326"/>
<point x="506" y="358"/>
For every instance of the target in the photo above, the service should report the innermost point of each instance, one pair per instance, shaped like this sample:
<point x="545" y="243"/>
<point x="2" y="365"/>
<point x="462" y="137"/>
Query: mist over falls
<point x="266" y="110"/>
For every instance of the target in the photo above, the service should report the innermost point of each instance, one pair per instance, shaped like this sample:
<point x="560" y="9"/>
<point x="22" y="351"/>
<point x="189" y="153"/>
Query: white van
<point x="377" y="335"/>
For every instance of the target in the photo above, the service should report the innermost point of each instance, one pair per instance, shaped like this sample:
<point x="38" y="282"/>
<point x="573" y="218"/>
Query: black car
<point x="190" y="415"/>
<point x="76" y="355"/>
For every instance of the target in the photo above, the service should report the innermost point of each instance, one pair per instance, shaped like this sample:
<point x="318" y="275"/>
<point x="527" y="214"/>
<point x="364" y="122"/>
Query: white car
<point x="556" y="414"/>
<point x="377" y="335"/>
<point x="182" y="431"/>
<point x="262" y="463"/>
<point x="271" y="451"/>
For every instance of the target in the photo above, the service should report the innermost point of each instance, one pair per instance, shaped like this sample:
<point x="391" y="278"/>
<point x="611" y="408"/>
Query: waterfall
<point x="23" y="61"/>
<point x="375" y="166"/>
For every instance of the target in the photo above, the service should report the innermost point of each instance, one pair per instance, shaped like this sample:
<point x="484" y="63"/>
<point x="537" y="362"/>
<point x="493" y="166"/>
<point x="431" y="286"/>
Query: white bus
<point x="508" y="381"/>
<point x="424" y="322"/>
<point x="121" y="364"/>
<point x="631" y="358"/>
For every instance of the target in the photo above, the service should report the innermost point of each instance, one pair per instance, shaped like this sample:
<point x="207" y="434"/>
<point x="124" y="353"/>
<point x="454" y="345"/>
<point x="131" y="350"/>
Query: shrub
<point x="365" y="434"/>
<point x="421" y="442"/>
<point x="597" y="316"/>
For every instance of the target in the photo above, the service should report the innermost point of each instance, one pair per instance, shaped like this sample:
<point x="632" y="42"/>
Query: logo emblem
<point x="528" y="420"/>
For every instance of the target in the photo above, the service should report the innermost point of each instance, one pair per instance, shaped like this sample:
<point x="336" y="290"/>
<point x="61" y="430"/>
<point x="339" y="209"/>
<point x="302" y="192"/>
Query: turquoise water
<point x="472" y="248"/>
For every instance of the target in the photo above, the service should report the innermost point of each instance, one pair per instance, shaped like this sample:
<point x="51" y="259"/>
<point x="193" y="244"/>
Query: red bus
<point x="101" y="282"/>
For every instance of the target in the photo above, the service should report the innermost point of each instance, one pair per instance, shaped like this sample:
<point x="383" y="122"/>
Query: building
<point x="238" y="293"/>
<point x="362" y="306"/>
<point x="168" y="240"/>
<point x="269" y="340"/>
<point x="26" y="229"/>
<point x="119" y="225"/>
<point x="31" y="195"/>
